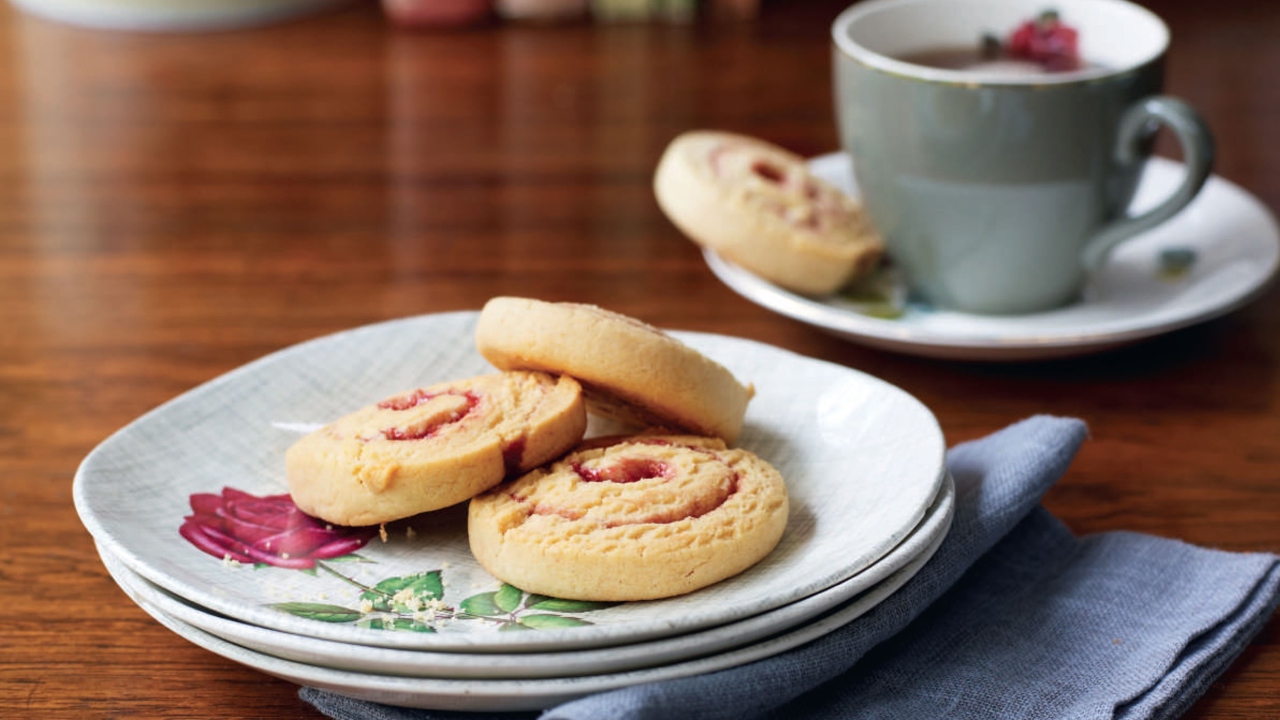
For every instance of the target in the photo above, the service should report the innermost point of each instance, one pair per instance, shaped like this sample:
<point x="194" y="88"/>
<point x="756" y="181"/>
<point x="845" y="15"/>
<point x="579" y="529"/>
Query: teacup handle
<point x="1197" y="149"/>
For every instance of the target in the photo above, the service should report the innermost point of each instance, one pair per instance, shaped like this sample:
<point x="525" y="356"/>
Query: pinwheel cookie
<point x="638" y="518"/>
<point x="759" y="206"/>
<point x="629" y="370"/>
<point x="433" y="447"/>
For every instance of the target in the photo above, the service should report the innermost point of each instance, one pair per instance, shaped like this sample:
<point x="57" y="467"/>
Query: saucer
<point x="1216" y="255"/>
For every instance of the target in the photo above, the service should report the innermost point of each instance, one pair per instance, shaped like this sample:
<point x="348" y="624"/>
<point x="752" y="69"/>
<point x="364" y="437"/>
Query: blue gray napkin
<point x="1014" y="617"/>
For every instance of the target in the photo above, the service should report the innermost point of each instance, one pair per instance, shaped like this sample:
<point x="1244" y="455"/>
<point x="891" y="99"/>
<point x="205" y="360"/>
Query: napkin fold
<point x="1013" y="617"/>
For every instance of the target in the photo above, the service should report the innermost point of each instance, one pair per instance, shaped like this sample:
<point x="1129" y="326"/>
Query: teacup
<point x="1000" y="192"/>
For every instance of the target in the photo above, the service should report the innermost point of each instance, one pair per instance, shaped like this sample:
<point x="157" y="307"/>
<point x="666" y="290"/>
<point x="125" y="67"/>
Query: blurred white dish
<point x="172" y="15"/>
<point x="1227" y="236"/>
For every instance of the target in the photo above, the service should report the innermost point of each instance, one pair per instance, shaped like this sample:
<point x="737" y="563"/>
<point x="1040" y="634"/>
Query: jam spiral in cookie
<point x="760" y="207"/>
<point x="637" y="518"/>
<point x="433" y="447"/>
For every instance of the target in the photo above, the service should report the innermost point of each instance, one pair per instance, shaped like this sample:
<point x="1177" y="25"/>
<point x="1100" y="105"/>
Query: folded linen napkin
<point x="1013" y="617"/>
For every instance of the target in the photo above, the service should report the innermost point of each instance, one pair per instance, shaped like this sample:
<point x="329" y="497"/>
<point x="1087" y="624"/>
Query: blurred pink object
<point x="546" y="10"/>
<point x="437" y="13"/>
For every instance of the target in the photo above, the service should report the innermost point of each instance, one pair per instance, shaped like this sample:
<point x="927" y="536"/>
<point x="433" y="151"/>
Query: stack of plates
<point x="864" y="462"/>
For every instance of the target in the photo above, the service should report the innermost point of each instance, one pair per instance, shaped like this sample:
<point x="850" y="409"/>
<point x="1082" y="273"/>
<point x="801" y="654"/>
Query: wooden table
<point x="172" y="207"/>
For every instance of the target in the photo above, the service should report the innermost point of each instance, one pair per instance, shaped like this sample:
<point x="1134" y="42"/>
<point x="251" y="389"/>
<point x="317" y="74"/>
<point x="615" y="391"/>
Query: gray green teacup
<point x="1000" y="193"/>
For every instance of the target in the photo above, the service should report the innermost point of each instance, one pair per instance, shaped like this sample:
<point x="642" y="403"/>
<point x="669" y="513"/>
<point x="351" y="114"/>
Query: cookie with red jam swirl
<point x="629" y="370"/>
<point x="433" y="447"/>
<point x="758" y="206"/>
<point x="635" y="518"/>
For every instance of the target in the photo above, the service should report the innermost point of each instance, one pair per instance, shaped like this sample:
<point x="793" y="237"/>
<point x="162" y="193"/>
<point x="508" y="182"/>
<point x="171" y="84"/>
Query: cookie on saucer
<point x="433" y="447"/>
<point x="635" y="518"/>
<point x="758" y="206"/>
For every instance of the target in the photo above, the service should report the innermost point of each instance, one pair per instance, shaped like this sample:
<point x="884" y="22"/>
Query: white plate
<point x="531" y="694"/>
<point x="1231" y="235"/>
<point x="862" y="458"/>
<point x="920" y="545"/>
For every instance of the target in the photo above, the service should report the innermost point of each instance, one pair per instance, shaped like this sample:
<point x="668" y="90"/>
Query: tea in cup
<point x="999" y="178"/>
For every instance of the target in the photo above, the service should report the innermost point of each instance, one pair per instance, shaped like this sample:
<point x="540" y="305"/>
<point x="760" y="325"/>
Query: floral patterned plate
<point x="522" y="694"/>
<point x="863" y="461"/>
<point x="918" y="546"/>
<point x="1216" y="255"/>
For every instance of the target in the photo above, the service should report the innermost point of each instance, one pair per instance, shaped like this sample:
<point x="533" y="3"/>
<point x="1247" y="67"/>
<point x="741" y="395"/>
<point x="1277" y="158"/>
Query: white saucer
<point x="1231" y="235"/>
<point x="919" y="546"/>
<point x="528" y="694"/>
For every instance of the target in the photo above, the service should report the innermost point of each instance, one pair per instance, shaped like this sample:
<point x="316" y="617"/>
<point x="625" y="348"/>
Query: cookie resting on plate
<point x="433" y="447"/>
<point x="634" y="518"/>
<point x="629" y="370"/>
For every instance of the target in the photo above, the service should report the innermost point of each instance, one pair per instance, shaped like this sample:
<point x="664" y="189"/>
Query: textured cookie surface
<point x="760" y="207"/>
<point x="629" y="370"/>
<point x="433" y="447"/>
<point x="640" y="518"/>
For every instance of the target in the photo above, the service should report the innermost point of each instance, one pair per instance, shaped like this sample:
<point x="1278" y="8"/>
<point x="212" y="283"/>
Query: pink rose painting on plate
<point x="245" y="529"/>
<point x="272" y="530"/>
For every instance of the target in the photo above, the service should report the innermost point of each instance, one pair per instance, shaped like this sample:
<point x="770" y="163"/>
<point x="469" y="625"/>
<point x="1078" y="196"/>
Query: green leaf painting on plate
<point x="515" y="609"/>
<point x="407" y="594"/>
<point x="415" y="603"/>
<point x="320" y="611"/>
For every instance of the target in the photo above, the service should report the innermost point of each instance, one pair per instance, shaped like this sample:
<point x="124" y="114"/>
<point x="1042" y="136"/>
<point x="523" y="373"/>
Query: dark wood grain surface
<point x="172" y="207"/>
